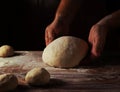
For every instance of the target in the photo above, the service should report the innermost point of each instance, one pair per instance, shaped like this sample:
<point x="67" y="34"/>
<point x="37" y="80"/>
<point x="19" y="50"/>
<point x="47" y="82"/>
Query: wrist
<point x="62" y="19"/>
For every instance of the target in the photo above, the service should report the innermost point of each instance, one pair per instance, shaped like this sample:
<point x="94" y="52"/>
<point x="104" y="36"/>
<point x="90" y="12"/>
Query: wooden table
<point x="101" y="77"/>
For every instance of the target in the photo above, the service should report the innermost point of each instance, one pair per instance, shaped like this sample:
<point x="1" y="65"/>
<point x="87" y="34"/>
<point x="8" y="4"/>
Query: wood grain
<point x="99" y="78"/>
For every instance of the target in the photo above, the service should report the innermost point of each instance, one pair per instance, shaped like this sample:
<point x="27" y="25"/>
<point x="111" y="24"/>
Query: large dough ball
<point x="65" y="52"/>
<point x="6" y="51"/>
<point x="8" y="82"/>
<point x="37" y="76"/>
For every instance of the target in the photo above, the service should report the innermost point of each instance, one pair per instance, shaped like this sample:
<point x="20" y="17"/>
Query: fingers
<point x="46" y="39"/>
<point x="49" y="37"/>
<point x="97" y="41"/>
<point x="97" y="47"/>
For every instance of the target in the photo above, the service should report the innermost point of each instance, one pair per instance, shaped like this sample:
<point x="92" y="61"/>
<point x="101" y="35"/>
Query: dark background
<point x="23" y="22"/>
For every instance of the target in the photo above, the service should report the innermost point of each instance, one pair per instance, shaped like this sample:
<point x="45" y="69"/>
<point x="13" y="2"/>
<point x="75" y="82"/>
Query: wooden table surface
<point x="104" y="76"/>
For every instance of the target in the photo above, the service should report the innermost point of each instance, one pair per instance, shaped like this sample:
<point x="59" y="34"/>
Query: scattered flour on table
<point x="25" y="61"/>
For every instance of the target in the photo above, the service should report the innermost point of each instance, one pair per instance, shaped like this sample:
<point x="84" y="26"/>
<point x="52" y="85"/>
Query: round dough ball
<point x="37" y="76"/>
<point x="8" y="82"/>
<point x="6" y="51"/>
<point x="65" y="52"/>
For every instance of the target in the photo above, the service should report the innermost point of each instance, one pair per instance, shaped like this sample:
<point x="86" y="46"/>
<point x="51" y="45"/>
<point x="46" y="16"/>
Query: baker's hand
<point x="96" y="39"/>
<point x="55" y="30"/>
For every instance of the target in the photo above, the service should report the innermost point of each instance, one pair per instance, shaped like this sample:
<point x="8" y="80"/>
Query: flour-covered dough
<point x="6" y="51"/>
<point x="37" y="76"/>
<point x="65" y="52"/>
<point x="8" y="82"/>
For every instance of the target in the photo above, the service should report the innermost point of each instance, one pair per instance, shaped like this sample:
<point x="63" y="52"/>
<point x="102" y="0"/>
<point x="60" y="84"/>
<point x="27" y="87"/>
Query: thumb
<point x="49" y="37"/>
<point x="95" y="51"/>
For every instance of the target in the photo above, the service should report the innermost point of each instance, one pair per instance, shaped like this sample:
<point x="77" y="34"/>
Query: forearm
<point x="67" y="10"/>
<point x="111" y="21"/>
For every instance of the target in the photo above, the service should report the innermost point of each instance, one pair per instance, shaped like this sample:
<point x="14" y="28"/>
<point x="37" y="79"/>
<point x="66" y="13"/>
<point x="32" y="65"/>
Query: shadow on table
<point x="53" y="84"/>
<point x="107" y="58"/>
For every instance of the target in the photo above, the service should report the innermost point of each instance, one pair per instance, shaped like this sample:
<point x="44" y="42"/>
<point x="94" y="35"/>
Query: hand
<point x="96" y="39"/>
<point x="55" y="30"/>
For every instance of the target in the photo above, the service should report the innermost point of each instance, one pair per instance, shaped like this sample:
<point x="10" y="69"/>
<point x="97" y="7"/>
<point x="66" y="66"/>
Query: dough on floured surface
<point x="65" y="52"/>
<point x="8" y="82"/>
<point x="6" y="51"/>
<point x="37" y="76"/>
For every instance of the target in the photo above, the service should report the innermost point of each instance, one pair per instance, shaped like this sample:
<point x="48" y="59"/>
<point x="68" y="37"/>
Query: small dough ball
<point x="65" y="52"/>
<point x="6" y="51"/>
<point x="8" y="82"/>
<point x="37" y="76"/>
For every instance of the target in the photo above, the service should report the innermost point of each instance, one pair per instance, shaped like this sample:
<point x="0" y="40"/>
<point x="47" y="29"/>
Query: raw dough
<point x="6" y="51"/>
<point x="65" y="52"/>
<point x="8" y="82"/>
<point x="37" y="76"/>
